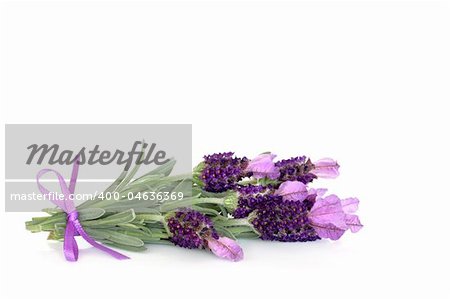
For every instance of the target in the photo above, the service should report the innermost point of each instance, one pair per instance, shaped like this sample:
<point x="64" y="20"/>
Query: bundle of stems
<point x="123" y="223"/>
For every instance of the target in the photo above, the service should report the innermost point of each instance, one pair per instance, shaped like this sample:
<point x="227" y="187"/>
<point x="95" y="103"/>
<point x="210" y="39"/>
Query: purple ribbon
<point x="73" y="225"/>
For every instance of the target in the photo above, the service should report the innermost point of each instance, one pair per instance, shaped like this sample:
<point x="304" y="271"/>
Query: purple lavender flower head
<point x="326" y="168"/>
<point x="296" y="169"/>
<point x="248" y="198"/>
<point x="221" y="172"/>
<point x="263" y="167"/>
<point x="284" y="221"/>
<point x="191" y="229"/>
<point x="331" y="216"/>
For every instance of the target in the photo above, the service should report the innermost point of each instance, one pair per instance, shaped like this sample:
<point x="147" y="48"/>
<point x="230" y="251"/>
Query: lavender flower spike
<point x="296" y="169"/>
<point x="263" y="166"/>
<point x="226" y="248"/>
<point x="284" y="221"/>
<point x="190" y="229"/>
<point x="220" y="172"/>
<point x="326" y="168"/>
<point x="248" y="198"/>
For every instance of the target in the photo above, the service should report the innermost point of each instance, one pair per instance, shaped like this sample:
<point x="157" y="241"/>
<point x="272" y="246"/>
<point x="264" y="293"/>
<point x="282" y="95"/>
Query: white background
<point x="362" y="81"/>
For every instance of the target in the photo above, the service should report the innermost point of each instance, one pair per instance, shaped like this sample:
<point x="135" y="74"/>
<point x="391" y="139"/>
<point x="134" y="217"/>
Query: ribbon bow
<point x="73" y="225"/>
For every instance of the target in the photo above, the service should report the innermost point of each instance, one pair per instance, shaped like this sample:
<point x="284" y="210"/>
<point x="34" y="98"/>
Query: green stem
<point x="173" y="205"/>
<point x="237" y="226"/>
<point x="234" y="222"/>
<point x="160" y="241"/>
<point x="248" y="182"/>
<point x="247" y="235"/>
<point x="150" y="217"/>
<point x="236" y="230"/>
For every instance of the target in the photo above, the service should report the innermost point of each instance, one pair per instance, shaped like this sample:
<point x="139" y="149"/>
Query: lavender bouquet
<point x="231" y="198"/>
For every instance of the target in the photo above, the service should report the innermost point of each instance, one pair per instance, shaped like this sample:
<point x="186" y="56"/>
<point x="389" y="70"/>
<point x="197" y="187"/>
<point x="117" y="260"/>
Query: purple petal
<point x="326" y="168"/>
<point x="350" y="205"/>
<point x="263" y="166"/>
<point x="328" y="231"/>
<point x="315" y="194"/>
<point x="319" y="192"/>
<point x="353" y="223"/>
<point x="328" y="211"/>
<point x="292" y="190"/>
<point x="226" y="248"/>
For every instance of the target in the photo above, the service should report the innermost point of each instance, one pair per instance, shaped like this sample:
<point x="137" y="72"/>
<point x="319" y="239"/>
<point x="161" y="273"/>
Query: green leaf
<point x="128" y="226"/>
<point x="144" y="228"/>
<point x="97" y="234"/>
<point x="147" y="179"/>
<point x="164" y="169"/>
<point x="123" y="239"/>
<point x="114" y="236"/>
<point x="206" y="211"/>
<point x="123" y="205"/>
<point x="135" y="169"/>
<point x="115" y="219"/>
<point x="117" y="182"/>
<point x="184" y="186"/>
<point x="110" y="189"/>
<point x="90" y="213"/>
<point x="152" y="218"/>
<point x="159" y="241"/>
<point x="139" y="234"/>
<point x="225" y="232"/>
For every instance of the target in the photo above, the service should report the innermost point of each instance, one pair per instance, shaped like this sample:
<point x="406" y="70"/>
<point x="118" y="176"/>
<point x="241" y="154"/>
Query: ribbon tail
<point x="103" y="248"/>
<point x="73" y="177"/>
<point x="70" y="244"/>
